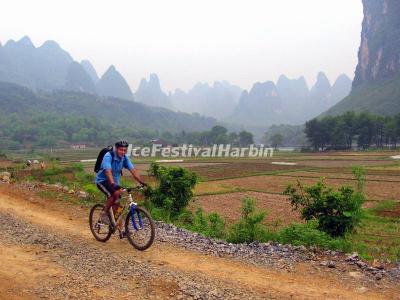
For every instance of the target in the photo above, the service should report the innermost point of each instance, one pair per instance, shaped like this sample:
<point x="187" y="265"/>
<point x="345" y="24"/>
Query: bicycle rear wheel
<point x="140" y="229"/>
<point x="101" y="232"/>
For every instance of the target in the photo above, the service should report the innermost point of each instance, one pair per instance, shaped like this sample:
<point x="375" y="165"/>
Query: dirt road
<point x="47" y="251"/>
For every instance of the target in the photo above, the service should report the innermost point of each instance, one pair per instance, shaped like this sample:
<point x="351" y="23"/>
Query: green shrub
<point x="359" y="175"/>
<point x="82" y="178"/>
<point x="337" y="212"/>
<point x="157" y="213"/>
<point x="200" y="223"/>
<point x="185" y="219"/>
<point x="92" y="190"/>
<point x="216" y="228"/>
<point x="249" y="228"/>
<point x="174" y="190"/>
<point x="211" y="225"/>
<point x="30" y="178"/>
<point x="309" y="235"/>
<point x="160" y="214"/>
<point x="53" y="170"/>
<point x="77" y="167"/>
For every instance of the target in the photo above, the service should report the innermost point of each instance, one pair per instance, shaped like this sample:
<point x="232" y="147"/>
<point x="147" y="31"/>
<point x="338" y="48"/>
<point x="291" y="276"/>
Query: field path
<point x="47" y="250"/>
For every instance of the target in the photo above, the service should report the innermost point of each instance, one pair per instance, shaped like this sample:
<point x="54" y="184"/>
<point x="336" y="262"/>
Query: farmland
<point x="224" y="182"/>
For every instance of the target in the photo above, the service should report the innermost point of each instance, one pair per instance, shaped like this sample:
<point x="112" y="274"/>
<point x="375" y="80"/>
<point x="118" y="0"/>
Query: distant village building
<point x="78" y="146"/>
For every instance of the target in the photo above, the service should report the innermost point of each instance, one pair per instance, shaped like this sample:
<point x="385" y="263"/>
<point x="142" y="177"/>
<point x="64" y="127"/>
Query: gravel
<point x="89" y="268"/>
<point x="270" y="254"/>
<point x="267" y="254"/>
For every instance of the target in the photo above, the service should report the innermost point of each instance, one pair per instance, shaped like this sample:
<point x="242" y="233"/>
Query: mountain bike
<point x="139" y="226"/>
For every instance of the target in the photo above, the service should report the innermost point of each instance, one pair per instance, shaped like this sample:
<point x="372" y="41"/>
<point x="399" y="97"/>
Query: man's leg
<point x="112" y="193"/>
<point x="112" y="201"/>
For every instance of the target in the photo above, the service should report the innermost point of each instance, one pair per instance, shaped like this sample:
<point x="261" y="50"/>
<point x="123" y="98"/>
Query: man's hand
<point x="143" y="184"/>
<point x="136" y="176"/>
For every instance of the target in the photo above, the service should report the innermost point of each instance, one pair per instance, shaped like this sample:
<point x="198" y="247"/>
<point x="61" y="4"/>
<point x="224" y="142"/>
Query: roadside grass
<point x="75" y="178"/>
<point x="72" y="175"/>
<point x="378" y="236"/>
<point x="57" y="195"/>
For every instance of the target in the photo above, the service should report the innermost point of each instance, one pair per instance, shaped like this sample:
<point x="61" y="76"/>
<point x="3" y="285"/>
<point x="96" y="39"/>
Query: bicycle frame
<point x="132" y="207"/>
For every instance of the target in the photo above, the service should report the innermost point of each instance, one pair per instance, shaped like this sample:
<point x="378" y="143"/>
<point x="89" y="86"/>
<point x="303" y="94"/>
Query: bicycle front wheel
<point x="139" y="228"/>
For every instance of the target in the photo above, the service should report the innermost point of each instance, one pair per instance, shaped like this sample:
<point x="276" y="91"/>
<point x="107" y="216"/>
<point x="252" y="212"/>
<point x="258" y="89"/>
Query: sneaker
<point x="104" y="218"/>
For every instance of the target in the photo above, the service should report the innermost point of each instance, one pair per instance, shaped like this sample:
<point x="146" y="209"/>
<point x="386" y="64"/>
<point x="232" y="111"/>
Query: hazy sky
<point x="186" y="41"/>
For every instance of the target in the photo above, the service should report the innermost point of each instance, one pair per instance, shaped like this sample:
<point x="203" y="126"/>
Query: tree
<point x="312" y="130"/>
<point x="366" y="130"/>
<point x="245" y="138"/>
<point x="276" y="140"/>
<point x="338" y="132"/>
<point x="218" y="135"/>
<point x="234" y="138"/>
<point x="349" y="127"/>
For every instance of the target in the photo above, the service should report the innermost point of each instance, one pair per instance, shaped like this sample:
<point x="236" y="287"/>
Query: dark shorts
<point x="107" y="188"/>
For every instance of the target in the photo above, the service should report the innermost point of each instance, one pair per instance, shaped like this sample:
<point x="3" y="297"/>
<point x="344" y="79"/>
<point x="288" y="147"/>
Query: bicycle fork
<point x="133" y="210"/>
<point x="139" y="217"/>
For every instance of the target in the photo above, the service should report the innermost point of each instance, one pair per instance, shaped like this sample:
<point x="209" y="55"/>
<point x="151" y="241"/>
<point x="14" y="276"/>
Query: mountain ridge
<point x="290" y="101"/>
<point x="150" y="93"/>
<point x="47" y="67"/>
<point x="377" y="76"/>
<point x="21" y="101"/>
<point x="218" y="100"/>
<point x="113" y="84"/>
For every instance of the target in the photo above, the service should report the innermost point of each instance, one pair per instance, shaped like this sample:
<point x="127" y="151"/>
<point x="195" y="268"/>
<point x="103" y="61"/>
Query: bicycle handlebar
<point x="131" y="189"/>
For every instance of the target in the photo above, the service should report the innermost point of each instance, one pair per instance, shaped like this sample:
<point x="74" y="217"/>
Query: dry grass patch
<point x="278" y="207"/>
<point x="239" y="169"/>
<point x="4" y="163"/>
<point x="343" y="163"/>
<point x="214" y="187"/>
<point x="336" y="175"/>
<point x="347" y="155"/>
<point x="276" y="184"/>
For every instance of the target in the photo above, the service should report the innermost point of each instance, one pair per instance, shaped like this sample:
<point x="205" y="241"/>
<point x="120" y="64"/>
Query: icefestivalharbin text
<point x="221" y="150"/>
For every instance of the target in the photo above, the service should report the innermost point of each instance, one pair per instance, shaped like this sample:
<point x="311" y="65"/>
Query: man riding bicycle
<point x="107" y="179"/>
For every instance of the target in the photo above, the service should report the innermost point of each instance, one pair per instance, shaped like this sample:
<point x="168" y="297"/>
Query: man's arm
<point x="109" y="176"/>
<point x="136" y="175"/>
<point x="106" y="165"/>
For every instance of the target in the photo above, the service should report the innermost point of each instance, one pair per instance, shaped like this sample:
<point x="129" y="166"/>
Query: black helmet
<point x="121" y="144"/>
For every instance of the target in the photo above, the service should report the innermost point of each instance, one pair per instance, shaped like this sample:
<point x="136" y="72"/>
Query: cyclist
<point x="107" y="179"/>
